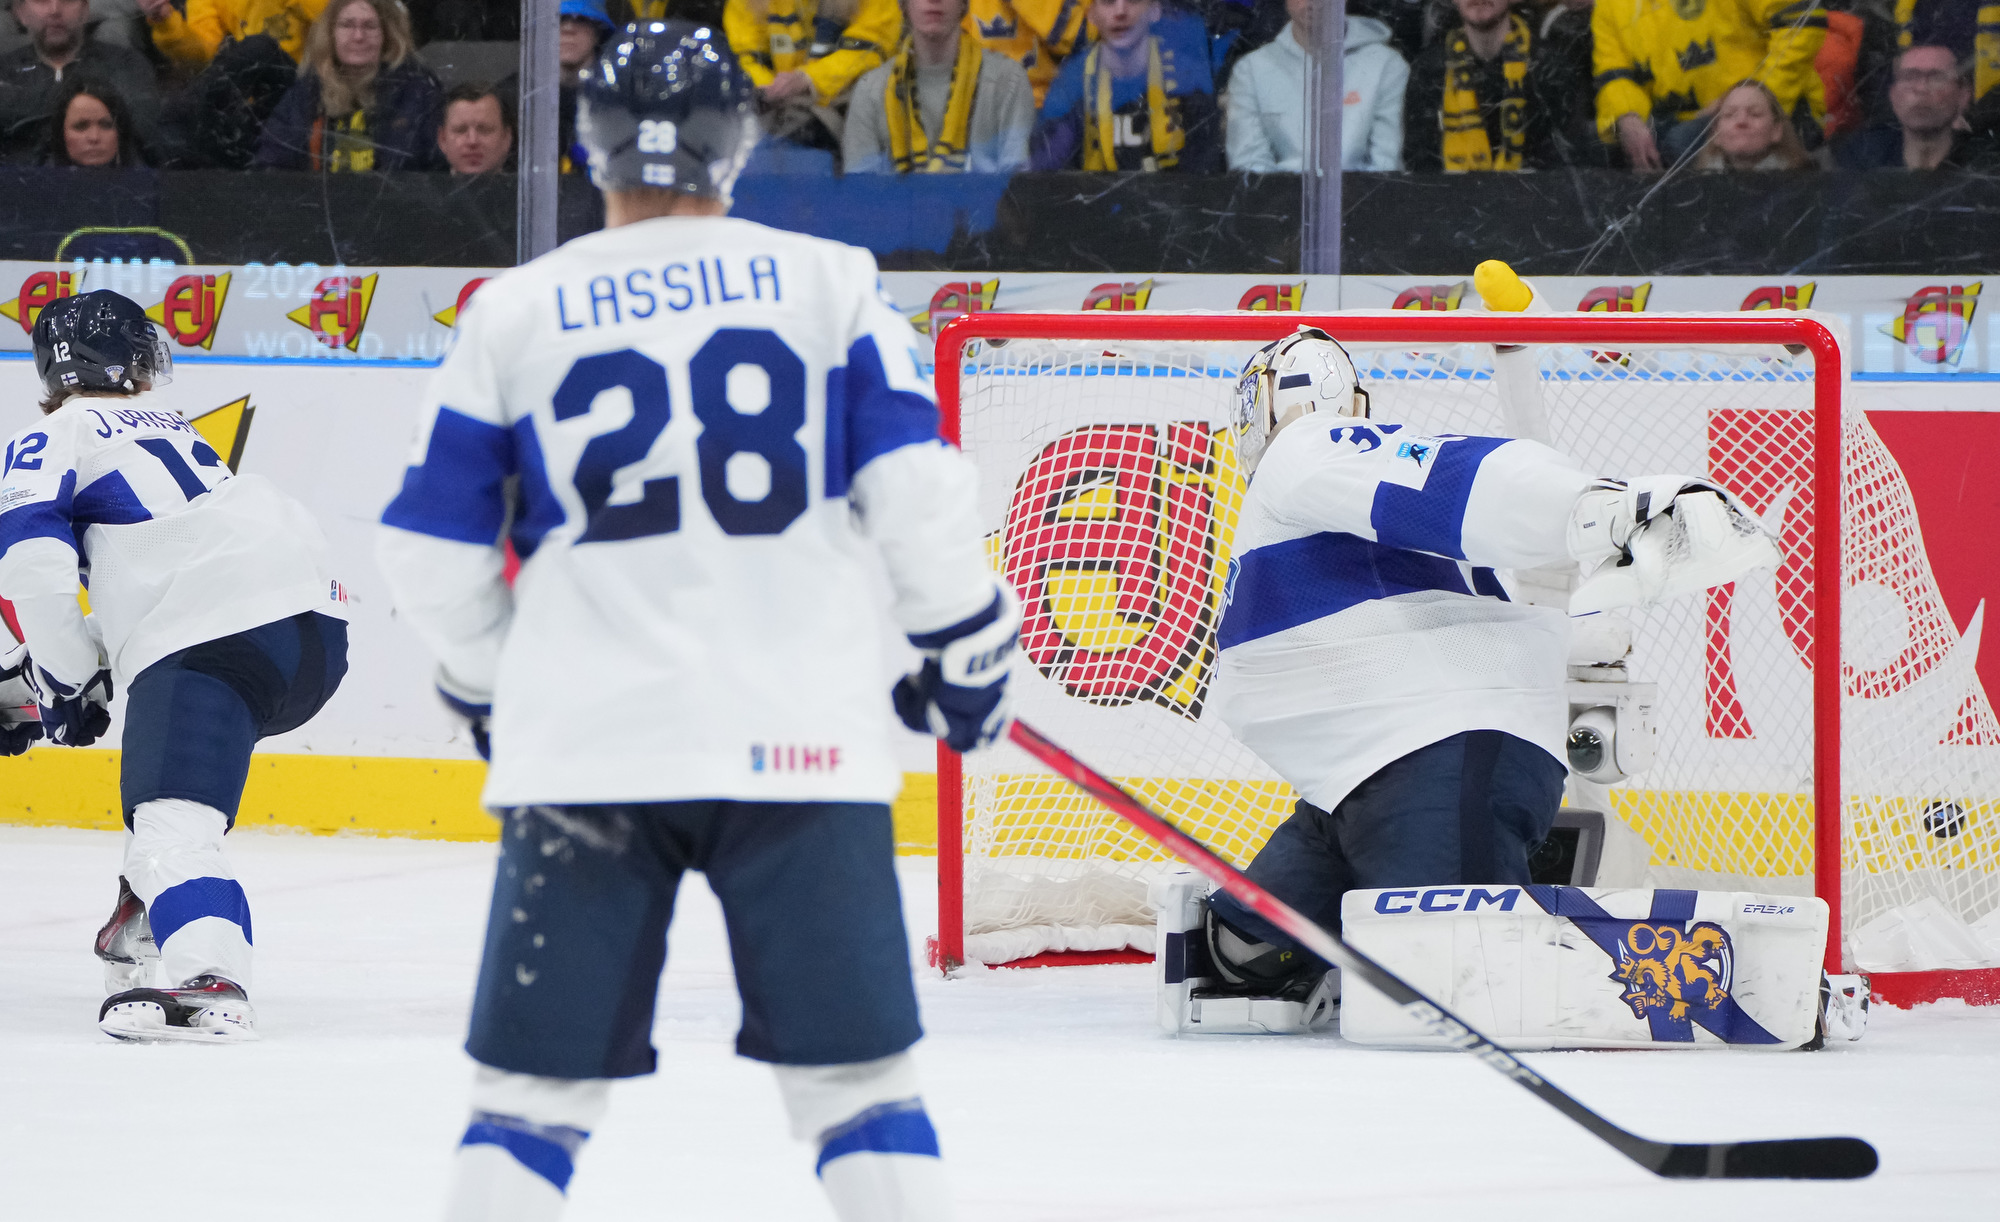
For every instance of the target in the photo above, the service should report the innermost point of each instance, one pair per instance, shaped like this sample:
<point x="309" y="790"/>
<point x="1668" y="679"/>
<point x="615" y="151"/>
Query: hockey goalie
<point x="1395" y="643"/>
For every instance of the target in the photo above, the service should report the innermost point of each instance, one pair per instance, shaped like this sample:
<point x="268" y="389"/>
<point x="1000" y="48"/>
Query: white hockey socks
<point x="878" y="1154"/>
<point x="520" y="1148"/>
<point x="199" y="914"/>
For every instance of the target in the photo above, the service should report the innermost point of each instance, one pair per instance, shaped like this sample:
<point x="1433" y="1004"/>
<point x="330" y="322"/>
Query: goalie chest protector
<point x="1581" y="967"/>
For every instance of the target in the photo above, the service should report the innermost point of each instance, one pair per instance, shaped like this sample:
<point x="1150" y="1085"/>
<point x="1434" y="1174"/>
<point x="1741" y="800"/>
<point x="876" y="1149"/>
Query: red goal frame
<point x="1980" y="986"/>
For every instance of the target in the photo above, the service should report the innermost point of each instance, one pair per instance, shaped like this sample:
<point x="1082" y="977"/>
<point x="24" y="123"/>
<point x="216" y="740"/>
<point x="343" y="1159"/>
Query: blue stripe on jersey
<point x="194" y="899"/>
<point x="539" y="512"/>
<point x="548" y="1150"/>
<point x="44" y="519"/>
<point x="889" y="1128"/>
<point x="1487" y="582"/>
<point x="1432" y="519"/>
<point x="866" y="417"/>
<point x="459" y="491"/>
<point x="1301" y="580"/>
<point x="110" y="501"/>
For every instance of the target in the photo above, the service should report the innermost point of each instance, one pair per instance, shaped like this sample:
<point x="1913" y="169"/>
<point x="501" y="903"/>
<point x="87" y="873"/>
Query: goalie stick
<point x="1794" y="1158"/>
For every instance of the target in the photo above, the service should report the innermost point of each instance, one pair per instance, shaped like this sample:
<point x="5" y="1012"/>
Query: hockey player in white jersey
<point x="694" y="431"/>
<point x="1370" y="652"/>
<point x="212" y="610"/>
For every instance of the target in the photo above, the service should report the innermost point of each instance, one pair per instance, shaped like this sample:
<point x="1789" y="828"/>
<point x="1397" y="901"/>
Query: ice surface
<point x="1054" y="1097"/>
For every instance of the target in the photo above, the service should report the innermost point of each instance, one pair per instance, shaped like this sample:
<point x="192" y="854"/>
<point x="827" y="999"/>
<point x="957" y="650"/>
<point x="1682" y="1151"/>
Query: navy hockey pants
<point x="1467" y="809"/>
<point x="577" y="936"/>
<point x="192" y="717"/>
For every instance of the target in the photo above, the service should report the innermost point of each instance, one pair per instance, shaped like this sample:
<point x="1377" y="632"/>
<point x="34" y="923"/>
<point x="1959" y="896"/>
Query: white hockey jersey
<point x="1364" y="618"/>
<point x="693" y="431"/>
<point x="175" y="550"/>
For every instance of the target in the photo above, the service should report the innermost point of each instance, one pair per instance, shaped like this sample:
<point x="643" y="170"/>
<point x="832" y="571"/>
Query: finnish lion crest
<point x="1666" y="970"/>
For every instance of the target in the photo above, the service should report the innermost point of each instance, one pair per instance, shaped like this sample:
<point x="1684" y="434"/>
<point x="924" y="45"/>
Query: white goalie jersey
<point x="693" y="432"/>
<point x="1365" y="617"/>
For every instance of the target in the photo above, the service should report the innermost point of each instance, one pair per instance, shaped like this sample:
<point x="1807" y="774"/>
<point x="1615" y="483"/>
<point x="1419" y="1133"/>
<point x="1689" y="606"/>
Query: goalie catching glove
<point x="959" y="694"/>
<point x="1657" y="537"/>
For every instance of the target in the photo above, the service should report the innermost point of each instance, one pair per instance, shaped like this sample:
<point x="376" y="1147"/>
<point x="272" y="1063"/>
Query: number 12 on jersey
<point x="727" y="430"/>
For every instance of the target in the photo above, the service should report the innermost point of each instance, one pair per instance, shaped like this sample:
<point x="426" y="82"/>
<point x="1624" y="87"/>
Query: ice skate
<point x="207" y="1009"/>
<point x="125" y="944"/>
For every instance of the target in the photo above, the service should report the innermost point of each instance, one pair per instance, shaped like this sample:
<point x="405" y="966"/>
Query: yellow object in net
<point x="1501" y="290"/>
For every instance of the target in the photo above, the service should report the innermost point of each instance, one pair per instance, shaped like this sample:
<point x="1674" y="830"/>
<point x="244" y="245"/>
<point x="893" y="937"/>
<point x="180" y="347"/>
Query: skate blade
<point x="145" y="1022"/>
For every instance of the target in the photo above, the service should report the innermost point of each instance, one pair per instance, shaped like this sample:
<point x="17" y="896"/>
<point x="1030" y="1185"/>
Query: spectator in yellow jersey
<point x="941" y="104"/>
<point x="1662" y="65"/>
<point x="1138" y="99"/>
<point x="809" y="52"/>
<point x="190" y="34"/>
<point x="1037" y="34"/>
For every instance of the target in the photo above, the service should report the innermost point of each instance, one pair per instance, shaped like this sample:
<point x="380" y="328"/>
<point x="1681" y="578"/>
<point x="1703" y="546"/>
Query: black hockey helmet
<point x="667" y="106"/>
<point x="99" y="341"/>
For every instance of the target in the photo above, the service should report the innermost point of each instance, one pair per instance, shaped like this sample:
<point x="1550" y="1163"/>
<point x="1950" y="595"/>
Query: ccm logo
<point x="1773" y="909"/>
<point x="1446" y="899"/>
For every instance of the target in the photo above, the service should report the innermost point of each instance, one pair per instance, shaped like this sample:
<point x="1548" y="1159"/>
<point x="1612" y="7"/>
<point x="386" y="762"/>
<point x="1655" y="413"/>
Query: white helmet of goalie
<point x="1305" y="372"/>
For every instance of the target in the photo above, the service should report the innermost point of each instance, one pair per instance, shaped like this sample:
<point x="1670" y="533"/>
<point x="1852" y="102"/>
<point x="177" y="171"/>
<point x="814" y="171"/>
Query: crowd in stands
<point x="928" y="86"/>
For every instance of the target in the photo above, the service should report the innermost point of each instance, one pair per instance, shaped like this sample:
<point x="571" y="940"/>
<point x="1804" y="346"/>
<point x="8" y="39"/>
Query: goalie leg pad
<point x="1576" y="967"/>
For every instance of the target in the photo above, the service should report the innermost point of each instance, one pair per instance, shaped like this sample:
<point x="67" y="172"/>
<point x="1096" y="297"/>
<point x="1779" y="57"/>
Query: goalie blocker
<point x="1540" y="967"/>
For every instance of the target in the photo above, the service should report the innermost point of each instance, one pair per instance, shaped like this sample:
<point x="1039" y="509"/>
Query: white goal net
<point x="1109" y="488"/>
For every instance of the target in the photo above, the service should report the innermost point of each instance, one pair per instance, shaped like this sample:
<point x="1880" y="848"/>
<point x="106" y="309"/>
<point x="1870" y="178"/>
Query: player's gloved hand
<point x="73" y="714"/>
<point x="1654" y="538"/>
<point x="960" y="692"/>
<point x="16" y="736"/>
<point x="474" y="708"/>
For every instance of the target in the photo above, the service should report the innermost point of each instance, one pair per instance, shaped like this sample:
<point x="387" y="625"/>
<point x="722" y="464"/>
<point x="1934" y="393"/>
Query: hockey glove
<point x="1658" y="537"/>
<point x="960" y="692"/>
<point x="473" y="708"/>
<point x="73" y="714"/>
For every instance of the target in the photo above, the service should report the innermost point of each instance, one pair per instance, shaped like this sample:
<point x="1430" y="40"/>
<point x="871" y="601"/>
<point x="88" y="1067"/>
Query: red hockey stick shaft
<point x="1787" y="1158"/>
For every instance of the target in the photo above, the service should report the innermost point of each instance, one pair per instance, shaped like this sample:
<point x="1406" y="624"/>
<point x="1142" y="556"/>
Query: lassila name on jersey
<point x="640" y="293"/>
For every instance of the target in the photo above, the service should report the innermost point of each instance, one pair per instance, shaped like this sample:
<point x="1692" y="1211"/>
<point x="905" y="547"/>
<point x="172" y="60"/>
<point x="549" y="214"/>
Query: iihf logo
<point x="793" y="757"/>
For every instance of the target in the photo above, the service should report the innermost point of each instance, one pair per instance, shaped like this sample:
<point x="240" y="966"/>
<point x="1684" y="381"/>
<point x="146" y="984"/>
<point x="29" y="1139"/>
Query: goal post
<point x="1109" y="489"/>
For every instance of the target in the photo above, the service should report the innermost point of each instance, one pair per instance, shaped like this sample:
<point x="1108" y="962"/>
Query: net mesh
<point x="1109" y="490"/>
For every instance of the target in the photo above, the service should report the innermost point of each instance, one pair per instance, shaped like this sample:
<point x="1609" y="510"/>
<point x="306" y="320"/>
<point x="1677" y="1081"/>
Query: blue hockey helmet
<point x="667" y="106"/>
<point x="99" y="341"/>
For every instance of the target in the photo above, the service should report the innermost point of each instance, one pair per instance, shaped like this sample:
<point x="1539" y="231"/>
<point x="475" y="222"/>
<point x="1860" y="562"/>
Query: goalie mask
<point x="1302" y="373"/>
